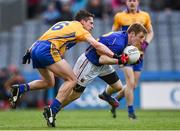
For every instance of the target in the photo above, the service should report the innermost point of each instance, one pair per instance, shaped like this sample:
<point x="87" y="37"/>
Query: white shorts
<point x="86" y="72"/>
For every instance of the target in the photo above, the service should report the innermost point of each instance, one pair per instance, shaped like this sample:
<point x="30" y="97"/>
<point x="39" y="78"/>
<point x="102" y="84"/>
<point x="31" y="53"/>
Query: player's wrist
<point x="144" y="45"/>
<point x="146" y="42"/>
<point x="116" y="61"/>
<point x="116" y="56"/>
<point x="122" y="60"/>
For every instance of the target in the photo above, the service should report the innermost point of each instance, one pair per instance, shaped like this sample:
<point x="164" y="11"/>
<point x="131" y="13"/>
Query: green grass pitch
<point x="91" y="120"/>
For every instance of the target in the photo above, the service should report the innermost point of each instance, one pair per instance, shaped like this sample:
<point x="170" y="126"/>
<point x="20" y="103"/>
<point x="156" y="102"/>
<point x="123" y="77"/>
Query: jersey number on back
<point x="60" y="25"/>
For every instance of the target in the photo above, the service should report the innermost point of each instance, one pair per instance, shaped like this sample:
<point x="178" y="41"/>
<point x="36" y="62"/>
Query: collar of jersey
<point x="127" y="11"/>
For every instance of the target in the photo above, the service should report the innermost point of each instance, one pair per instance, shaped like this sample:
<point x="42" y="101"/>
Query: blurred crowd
<point x="159" y="5"/>
<point x="55" y="10"/>
<point x="59" y="10"/>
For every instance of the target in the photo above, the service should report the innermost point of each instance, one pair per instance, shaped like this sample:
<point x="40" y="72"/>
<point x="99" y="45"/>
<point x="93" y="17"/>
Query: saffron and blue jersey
<point x="65" y="34"/>
<point x="122" y="20"/>
<point x="52" y="45"/>
<point x="115" y="41"/>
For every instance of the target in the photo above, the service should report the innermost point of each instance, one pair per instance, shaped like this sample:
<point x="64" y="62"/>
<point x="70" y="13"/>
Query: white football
<point x="133" y="54"/>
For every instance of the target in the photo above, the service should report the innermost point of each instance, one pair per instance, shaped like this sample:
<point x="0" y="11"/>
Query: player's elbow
<point x="150" y="36"/>
<point x="96" y="45"/>
<point x="105" y="60"/>
<point x="101" y="60"/>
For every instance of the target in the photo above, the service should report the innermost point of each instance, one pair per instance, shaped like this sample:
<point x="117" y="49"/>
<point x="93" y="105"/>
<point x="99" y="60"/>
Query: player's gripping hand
<point x="122" y="59"/>
<point x="139" y="60"/>
<point x="27" y="57"/>
<point x="144" y="45"/>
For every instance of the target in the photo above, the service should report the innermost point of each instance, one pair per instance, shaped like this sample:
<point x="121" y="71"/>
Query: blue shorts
<point x="137" y="67"/>
<point x="43" y="54"/>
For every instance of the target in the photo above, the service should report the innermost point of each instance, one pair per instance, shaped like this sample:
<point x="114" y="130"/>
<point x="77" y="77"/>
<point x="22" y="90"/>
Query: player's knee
<point x="73" y="80"/>
<point x="48" y="84"/>
<point x="135" y="84"/>
<point x="79" y="88"/>
<point x="77" y="95"/>
<point x="131" y="84"/>
<point x="51" y="83"/>
<point x="117" y="86"/>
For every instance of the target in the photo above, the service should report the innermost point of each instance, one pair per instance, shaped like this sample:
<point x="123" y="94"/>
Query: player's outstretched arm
<point x="150" y="35"/>
<point x="102" y="49"/>
<point x="106" y="60"/>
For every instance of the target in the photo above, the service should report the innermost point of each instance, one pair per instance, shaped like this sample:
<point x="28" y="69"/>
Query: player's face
<point x="132" y="5"/>
<point x="89" y="24"/>
<point x="137" y="39"/>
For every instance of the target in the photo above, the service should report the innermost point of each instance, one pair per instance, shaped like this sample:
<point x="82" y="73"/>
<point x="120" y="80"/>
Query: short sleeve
<point x="148" y="22"/>
<point x="81" y="33"/>
<point x="116" y="24"/>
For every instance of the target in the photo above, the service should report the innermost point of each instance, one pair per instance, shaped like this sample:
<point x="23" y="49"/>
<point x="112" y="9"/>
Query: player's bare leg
<point x="60" y="69"/>
<point x="129" y="91"/>
<point x="106" y="95"/>
<point x="72" y="97"/>
<point x="137" y="75"/>
<point x="118" y="97"/>
<point x="48" y="111"/>
<point x="47" y="80"/>
<point x="63" y="70"/>
<point x="121" y="94"/>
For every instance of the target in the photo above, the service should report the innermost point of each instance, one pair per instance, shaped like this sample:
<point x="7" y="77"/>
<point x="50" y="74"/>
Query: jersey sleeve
<point x="148" y="22"/>
<point x="81" y="33"/>
<point x="116" y="24"/>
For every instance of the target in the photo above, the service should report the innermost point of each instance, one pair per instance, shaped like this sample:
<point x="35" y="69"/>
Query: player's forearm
<point x="107" y="60"/>
<point x="150" y="36"/>
<point x="102" y="49"/>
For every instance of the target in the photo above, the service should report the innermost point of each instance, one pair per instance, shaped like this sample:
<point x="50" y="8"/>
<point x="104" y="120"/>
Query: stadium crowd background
<point x="24" y="21"/>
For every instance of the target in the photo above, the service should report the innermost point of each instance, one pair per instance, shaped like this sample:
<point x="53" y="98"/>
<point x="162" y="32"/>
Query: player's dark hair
<point x="137" y="28"/>
<point x="83" y="15"/>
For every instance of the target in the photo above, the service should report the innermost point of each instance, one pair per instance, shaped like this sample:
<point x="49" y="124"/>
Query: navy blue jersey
<point x="115" y="41"/>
